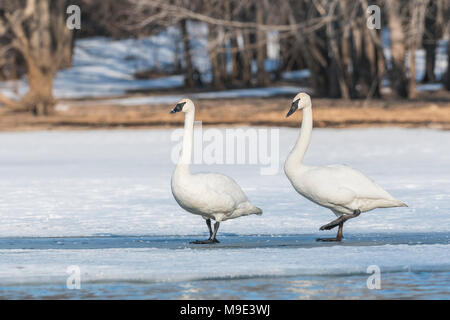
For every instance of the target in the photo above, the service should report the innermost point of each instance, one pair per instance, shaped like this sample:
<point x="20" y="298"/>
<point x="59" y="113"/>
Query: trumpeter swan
<point x="347" y="192"/>
<point x="211" y="195"/>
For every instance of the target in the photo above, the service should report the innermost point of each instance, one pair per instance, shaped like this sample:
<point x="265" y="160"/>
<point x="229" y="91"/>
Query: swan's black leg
<point x="212" y="235"/>
<point x="332" y="224"/>
<point x="208" y="223"/>
<point x="216" y="228"/>
<point x="338" y="222"/>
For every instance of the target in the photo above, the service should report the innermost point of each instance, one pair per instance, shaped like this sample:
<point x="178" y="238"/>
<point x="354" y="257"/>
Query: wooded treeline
<point x="331" y="38"/>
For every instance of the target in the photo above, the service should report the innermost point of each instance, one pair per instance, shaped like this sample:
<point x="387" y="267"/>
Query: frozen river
<point x="101" y="201"/>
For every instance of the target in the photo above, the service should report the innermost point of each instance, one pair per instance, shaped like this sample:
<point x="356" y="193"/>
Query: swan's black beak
<point x="178" y="107"/>
<point x="293" y="108"/>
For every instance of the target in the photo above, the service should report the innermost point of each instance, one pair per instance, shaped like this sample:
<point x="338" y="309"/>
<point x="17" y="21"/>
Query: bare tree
<point x="416" y="30"/>
<point x="261" y="40"/>
<point x="189" y="79"/>
<point x="36" y="29"/>
<point x="446" y="28"/>
<point x="447" y="76"/>
<point x="397" y="72"/>
<point x="432" y="32"/>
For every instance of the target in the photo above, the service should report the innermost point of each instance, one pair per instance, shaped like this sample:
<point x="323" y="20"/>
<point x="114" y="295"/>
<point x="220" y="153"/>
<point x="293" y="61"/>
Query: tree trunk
<point x="447" y="78"/>
<point x="189" y="74"/>
<point x="412" y="74"/>
<point x="417" y="23"/>
<point x="214" y="58"/>
<point x="319" y="64"/>
<point x="39" y="98"/>
<point x="430" y="37"/>
<point x="222" y="56"/>
<point x="67" y="50"/>
<point x="42" y="39"/>
<point x="370" y="68"/>
<point x="246" y="60"/>
<point x="66" y="38"/>
<point x="397" y="73"/>
<point x="430" y="61"/>
<point x="346" y="51"/>
<point x="315" y="54"/>
<point x="236" y="59"/>
<point x="338" y="85"/>
<point x="261" y="49"/>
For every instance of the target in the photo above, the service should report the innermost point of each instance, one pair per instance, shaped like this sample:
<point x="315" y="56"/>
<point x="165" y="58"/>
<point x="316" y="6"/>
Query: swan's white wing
<point x="342" y="188"/>
<point x="212" y="195"/>
<point x="224" y="186"/>
<point x="360" y="184"/>
<point x="208" y="193"/>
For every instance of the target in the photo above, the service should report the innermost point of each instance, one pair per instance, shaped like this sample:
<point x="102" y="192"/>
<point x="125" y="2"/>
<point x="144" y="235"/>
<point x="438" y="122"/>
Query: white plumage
<point x="210" y="195"/>
<point x="346" y="191"/>
<point x="341" y="189"/>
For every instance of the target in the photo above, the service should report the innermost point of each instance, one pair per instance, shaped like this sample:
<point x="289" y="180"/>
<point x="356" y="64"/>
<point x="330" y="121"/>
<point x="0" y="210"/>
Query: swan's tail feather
<point x="399" y="203"/>
<point x="258" y="211"/>
<point x="396" y="203"/>
<point x="247" y="208"/>
<point x="254" y="210"/>
<point x="386" y="203"/>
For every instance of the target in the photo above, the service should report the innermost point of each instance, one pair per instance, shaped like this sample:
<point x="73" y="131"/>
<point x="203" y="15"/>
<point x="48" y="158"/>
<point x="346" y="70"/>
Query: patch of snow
<point x="228" y="94"/>
<point x="429" y="87"/>
<point x="296" y="75"/>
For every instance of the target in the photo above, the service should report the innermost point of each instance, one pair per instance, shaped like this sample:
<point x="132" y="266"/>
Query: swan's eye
<point x="178" y="107"/>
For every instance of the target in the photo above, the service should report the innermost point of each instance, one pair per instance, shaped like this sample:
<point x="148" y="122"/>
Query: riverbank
<point x="91" y="114"/>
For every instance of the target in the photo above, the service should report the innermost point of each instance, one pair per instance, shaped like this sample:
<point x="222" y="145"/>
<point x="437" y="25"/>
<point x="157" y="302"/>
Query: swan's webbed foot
<point x="212" y="235"/>
<point x="339" y="235"/>
<point x="329" y="239"/>
<point x="209" y="241"/>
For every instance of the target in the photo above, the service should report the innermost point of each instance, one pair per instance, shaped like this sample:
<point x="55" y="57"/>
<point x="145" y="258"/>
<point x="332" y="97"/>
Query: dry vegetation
<point x="430" y="111"/>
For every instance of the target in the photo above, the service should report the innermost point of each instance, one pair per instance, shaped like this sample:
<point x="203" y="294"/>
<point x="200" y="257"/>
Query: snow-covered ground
<point x="114" y="184"/>
<point x="174" y="98"/>
<point x="81" y="183"/>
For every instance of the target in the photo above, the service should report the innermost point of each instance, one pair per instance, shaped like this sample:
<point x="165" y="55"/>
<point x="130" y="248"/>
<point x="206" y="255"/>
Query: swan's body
<point x="345" y="191"/>
<point x="210" y="195"/>
<point x="340" y="188"/>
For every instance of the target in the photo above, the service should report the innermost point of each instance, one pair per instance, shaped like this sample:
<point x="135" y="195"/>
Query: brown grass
<point x="262" y="112"/>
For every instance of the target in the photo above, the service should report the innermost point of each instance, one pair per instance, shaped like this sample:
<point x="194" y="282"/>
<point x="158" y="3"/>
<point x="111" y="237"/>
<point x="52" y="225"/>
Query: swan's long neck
<point x="297" y="154"/>
<point x="186" y="152"/>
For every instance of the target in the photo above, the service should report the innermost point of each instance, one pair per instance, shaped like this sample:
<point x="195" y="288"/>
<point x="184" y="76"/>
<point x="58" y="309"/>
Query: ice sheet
<point x="84" y="183"/>
<point x="21" y="266"/>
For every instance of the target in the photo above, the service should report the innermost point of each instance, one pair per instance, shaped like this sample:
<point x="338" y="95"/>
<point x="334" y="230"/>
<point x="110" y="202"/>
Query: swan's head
<point x="184" y="105"/>
<point x="302" y="100"/>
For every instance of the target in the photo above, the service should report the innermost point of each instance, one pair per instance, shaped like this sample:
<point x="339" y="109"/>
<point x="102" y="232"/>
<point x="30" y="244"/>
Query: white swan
<point x="211" y="195"/>
<point x="347" y="192"/>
